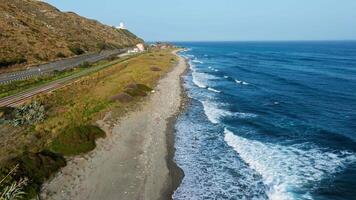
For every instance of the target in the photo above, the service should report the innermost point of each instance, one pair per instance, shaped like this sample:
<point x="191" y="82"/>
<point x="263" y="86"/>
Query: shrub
<point x="135" y="90"/>
<point x="8" y="62"/>
<point x="112" y="57"/>
<point x="76" y="140"/>
<point x="76" y="50"/>
<point x="103" y="46"/>
<point x="31" y="170"/>
<point x="14" y="191"/>
<point x="60" y="55"/>
<point x="6" y="113"/>
<point x="28" y="114"/>
<point x="10" y="188"/>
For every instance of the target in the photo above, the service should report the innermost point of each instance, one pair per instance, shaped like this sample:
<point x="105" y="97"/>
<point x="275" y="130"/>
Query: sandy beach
<point x="134" y="161"/>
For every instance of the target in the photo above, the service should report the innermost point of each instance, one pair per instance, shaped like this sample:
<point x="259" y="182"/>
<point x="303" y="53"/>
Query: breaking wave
<point x="286" y="170"/>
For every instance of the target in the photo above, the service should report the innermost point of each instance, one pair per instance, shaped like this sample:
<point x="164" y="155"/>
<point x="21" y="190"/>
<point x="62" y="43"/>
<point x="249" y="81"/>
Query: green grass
<point x="76" y="140"/>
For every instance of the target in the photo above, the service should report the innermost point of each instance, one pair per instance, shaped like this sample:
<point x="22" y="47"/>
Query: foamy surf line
<point x="214" y="90"/>
<point x="197" y="61"/>
<point x="283" y="168"/>
<point x="214" y="113"/>
<point x="241" y="82"/>
<point x="202" y="79"/>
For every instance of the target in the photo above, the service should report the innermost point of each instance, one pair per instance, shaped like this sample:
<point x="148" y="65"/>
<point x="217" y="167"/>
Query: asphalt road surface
<point x="57" y="66"/>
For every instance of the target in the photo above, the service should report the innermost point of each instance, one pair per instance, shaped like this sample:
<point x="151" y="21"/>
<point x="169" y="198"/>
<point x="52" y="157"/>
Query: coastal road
<point x="21" y="97"/>
<point x="57" y="66"/>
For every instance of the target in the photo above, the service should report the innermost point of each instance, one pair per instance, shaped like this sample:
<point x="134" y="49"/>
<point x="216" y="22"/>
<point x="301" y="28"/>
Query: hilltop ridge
<point x="33" y="32"/>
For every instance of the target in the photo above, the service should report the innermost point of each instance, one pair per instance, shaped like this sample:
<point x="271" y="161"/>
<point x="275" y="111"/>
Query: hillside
<point x="33" y="32"/>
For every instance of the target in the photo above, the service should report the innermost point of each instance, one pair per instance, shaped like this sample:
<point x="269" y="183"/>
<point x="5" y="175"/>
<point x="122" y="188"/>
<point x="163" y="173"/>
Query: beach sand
<point x="135" y="160"/>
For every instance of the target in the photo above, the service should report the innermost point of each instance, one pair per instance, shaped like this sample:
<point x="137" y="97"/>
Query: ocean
<point x="268" y="120"/>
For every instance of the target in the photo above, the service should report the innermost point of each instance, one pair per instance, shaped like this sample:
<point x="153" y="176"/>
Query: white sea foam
<point x="201" y="79"/>
<point x="199" y="82"/>
<point x="214" y="113"/>
<point x="197" y="61"/>
<point x="226" y="76"/>
<point x="288" y="168"/>
<point x="241" y="82"/>
<point x="190" y="56"/>
<point x="238" y="81"/>
<point x="245" y="115"/>
<point x="213" y="90"/>
<point x="216" y="70"/>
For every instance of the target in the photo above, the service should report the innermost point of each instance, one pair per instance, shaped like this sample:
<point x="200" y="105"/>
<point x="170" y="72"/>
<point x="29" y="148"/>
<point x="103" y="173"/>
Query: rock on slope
<point x="32" y="32"/>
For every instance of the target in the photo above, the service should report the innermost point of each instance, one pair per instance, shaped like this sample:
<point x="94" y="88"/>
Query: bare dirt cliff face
<point x="32" y="32"/>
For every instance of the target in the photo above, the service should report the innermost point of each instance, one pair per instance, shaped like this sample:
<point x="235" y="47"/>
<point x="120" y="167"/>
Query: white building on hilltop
<point x="121" y="26"/>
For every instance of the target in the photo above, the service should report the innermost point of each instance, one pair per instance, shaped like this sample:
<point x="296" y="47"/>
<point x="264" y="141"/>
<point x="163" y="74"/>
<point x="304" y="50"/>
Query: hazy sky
<point x="227" y="20"/>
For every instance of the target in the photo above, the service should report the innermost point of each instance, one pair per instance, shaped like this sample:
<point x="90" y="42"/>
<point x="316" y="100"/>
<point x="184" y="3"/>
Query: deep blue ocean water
<point x="268" y="120"/>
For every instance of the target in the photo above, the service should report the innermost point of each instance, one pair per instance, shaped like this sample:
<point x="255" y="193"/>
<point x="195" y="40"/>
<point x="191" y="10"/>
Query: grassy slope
<point x="33" y="32"/>
<point x="72" y="111"/>
<point x="19" y="86"/>
<point x="86" y="100"/>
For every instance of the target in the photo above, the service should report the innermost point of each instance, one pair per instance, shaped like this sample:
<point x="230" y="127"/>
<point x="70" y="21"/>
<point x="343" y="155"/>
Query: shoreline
<point x="176" y="174"/>
<point x="136" y="160"/>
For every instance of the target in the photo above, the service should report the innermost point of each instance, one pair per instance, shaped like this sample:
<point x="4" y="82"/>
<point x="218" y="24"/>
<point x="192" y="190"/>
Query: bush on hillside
<point x="60" y="55"/>
<point x="14" y="191"/>
<point x="31" y="170"/>
<point x="76" y="140"/>
<point x="135" y="89"/>
<point x="76" y="50"/>
<point x="102" y="46"/>
<point x="12" y="61"/>
<point x="6" y="113"/>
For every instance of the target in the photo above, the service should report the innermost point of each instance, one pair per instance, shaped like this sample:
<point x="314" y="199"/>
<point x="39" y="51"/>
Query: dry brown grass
<point x="35" y="32"/>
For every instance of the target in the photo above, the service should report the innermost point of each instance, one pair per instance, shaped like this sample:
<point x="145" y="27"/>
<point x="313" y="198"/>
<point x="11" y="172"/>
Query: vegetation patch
<point x="12" y="61"/>
<point x="33" y="168"/>
<point x="76" y="140"/>
<point x="155" y="69"/>
<point x="69" y="110"/>
<point x="27" y="114"/>
<point x="136" y="90"/>
<point x="60" y="55"/>
<point x="76" y="50"/>
<point x="85" y="65"/>
<point x="122" y="97"/>
<point x="6" y="113"/>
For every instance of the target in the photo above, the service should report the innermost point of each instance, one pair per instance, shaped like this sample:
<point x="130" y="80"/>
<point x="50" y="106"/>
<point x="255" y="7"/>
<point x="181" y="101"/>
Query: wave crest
<point x="288" y="168"/>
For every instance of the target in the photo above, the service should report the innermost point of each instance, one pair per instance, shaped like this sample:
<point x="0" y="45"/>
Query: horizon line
<point x="328" y="40"/>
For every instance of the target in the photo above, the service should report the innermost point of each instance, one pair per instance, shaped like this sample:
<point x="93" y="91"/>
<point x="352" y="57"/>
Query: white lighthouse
<point x="121" y="26"/>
